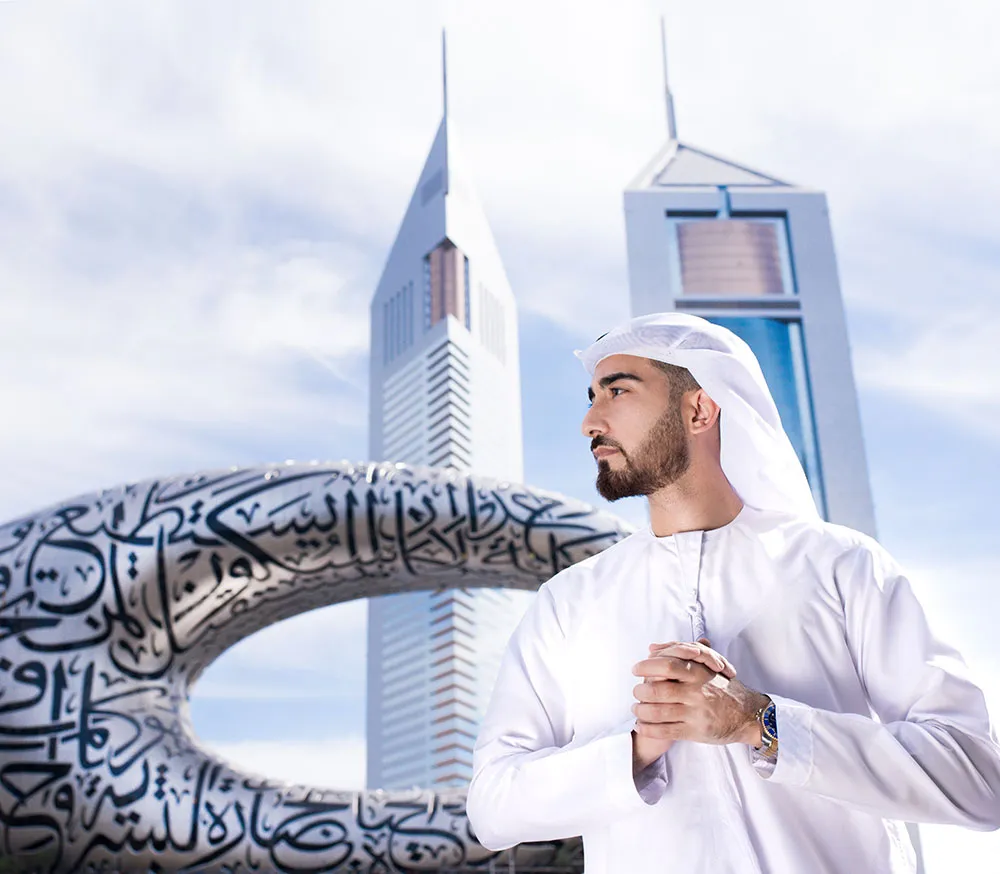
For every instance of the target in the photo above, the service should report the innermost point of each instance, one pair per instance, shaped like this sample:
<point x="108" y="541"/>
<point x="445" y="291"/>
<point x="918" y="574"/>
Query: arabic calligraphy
<point x="113" y="604"/>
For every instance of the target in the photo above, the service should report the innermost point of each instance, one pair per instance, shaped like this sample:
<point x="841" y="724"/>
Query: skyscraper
<point x="753" y="253"/>
<point x="445" y="392"/>
<point x="713" y="238"/>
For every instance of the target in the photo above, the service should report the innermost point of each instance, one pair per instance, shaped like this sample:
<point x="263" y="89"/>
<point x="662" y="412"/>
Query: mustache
<point x="601" y="440"/>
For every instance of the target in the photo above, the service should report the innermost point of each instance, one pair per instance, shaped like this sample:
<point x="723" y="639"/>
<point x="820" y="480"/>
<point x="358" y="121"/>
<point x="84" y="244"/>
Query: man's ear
<point x="705" y="412"/>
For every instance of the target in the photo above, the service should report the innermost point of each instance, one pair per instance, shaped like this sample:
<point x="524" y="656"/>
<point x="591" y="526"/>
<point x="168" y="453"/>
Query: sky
<point x="196" y="202"/>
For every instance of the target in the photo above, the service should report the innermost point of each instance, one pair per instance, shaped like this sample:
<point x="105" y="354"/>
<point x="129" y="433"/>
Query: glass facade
<point x="468" y="298"/>
<point x="446" y="284"/>
<point x="731" y="257"/>
<point x="779" y="347"/>
<point x="438" y="654"/>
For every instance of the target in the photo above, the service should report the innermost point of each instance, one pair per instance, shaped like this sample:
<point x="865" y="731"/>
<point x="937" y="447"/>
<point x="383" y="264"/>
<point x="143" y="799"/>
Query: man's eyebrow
<point x="605" y="381"/>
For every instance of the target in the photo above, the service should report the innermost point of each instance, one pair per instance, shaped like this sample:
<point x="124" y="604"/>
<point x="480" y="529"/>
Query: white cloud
<point x="169" y="294"/>
<point x="904" y="148"/>
<point x="318" y="655"/>
<point x="291" y="688"/>
<point x="196" y="203"/>
<point x="133" y="375"/>
<point x="334" y="762"/>
<point x="330" y="639"/>
<point x="950" y="365"/>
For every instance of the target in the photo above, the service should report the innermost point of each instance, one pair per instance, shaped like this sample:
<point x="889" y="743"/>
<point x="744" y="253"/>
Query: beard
<point x="661" y="459"/>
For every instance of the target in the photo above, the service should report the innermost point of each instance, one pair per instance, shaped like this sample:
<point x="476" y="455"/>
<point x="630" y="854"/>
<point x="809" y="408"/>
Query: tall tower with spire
<point x="742" y="248"/>
<point x="446" y="392"/>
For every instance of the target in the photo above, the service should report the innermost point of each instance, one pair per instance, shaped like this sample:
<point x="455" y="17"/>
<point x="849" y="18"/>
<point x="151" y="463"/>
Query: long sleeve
<point x="532" y="780"/>
<point x="931" y="755"/>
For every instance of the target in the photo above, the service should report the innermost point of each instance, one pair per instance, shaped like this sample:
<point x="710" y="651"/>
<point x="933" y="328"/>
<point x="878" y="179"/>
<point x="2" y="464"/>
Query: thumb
<point x="729" y="671"/>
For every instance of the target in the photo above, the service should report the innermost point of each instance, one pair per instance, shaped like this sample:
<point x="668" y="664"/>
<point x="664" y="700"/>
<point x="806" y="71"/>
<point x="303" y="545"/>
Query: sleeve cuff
<point x="794" y="763"/>
<point x="622" y="789"/>
<point x="761" y="763"/>
<point x="651" y="781"/>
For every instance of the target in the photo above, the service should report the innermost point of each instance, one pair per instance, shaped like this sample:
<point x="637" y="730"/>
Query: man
<point x="740" y="686"/>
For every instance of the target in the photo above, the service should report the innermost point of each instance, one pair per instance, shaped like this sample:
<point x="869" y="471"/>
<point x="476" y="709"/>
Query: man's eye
<point x="614" y="389"/>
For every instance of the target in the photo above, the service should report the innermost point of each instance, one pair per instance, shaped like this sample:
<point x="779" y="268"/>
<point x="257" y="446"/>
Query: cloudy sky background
<point x="196" y="201"/>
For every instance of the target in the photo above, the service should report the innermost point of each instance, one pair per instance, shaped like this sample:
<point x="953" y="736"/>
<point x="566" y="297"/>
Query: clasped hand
<point x="690" y="692"/>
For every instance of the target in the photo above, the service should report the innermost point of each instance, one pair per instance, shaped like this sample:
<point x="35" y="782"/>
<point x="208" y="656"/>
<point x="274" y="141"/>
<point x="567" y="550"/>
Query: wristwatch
<point x="767" y="718"/>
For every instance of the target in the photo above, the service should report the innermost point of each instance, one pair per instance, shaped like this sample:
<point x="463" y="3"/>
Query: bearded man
<point x="740" y="687"/>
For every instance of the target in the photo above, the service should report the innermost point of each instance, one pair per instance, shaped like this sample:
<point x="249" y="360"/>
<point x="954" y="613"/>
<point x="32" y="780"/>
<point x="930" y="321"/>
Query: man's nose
<point x="593" y="424"/>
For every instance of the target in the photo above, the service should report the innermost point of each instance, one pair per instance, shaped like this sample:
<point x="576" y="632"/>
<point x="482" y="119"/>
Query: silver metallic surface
<point x="112" y="604"/>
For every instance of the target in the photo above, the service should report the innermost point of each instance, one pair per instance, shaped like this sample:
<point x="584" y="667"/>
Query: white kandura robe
<point x="878" y="720"/>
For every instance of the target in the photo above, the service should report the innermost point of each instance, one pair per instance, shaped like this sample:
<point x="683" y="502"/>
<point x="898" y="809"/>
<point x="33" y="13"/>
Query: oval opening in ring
<point x="289" y="702"/>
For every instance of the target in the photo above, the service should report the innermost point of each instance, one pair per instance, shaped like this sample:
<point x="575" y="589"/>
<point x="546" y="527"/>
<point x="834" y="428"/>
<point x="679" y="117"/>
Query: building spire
<point x="671" y="121"/>
<point x="444" y="71"/>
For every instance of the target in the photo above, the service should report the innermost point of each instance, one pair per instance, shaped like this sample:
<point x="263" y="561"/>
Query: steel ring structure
<point x="114" y="603"/>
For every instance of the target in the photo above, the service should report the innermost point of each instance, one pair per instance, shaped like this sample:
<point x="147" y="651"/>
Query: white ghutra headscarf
<point x="757" y="456"/>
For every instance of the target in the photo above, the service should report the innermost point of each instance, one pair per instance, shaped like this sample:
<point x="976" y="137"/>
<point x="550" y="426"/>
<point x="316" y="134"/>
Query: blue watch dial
<point x="769" y="718"/>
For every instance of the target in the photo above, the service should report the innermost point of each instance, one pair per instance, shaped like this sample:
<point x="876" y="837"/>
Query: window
<point x="393" y="332"/>
<point x="468" y="308"/>
<point x="492" y="333"/>
<point x="445" y="285"/>
<point x="385" y="333"/>
<point x="731" y="257"/>
<point x="397" y="315"/>
<point x="428" y="293"/>
<point x="408" y="309"/>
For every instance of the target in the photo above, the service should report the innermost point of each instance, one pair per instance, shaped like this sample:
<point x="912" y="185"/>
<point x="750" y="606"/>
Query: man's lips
<point x="604" y="452"/>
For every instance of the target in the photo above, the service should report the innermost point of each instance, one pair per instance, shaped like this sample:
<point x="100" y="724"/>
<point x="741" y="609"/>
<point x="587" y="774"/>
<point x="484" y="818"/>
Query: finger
<point x="728" y="671"/>
<point x="695" y="652"/>
<point x="657" y="668"/>
<point x="700" y="653"/>
<point x="688" y="648"/>
<point x="663" y="692"/>
<point x="670" y="668"/>
<point x="661" y="730"/>
<point x="703" y="640"/>
<point x="729" y="664"/>
<point x="659" y="713"/>
<point x="705" y="651"/>
<point x="673" y="668"/>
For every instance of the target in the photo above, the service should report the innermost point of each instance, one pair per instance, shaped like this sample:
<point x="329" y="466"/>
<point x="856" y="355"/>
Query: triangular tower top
<point x="680" y="165"/>
<point x="444" y="209"/>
